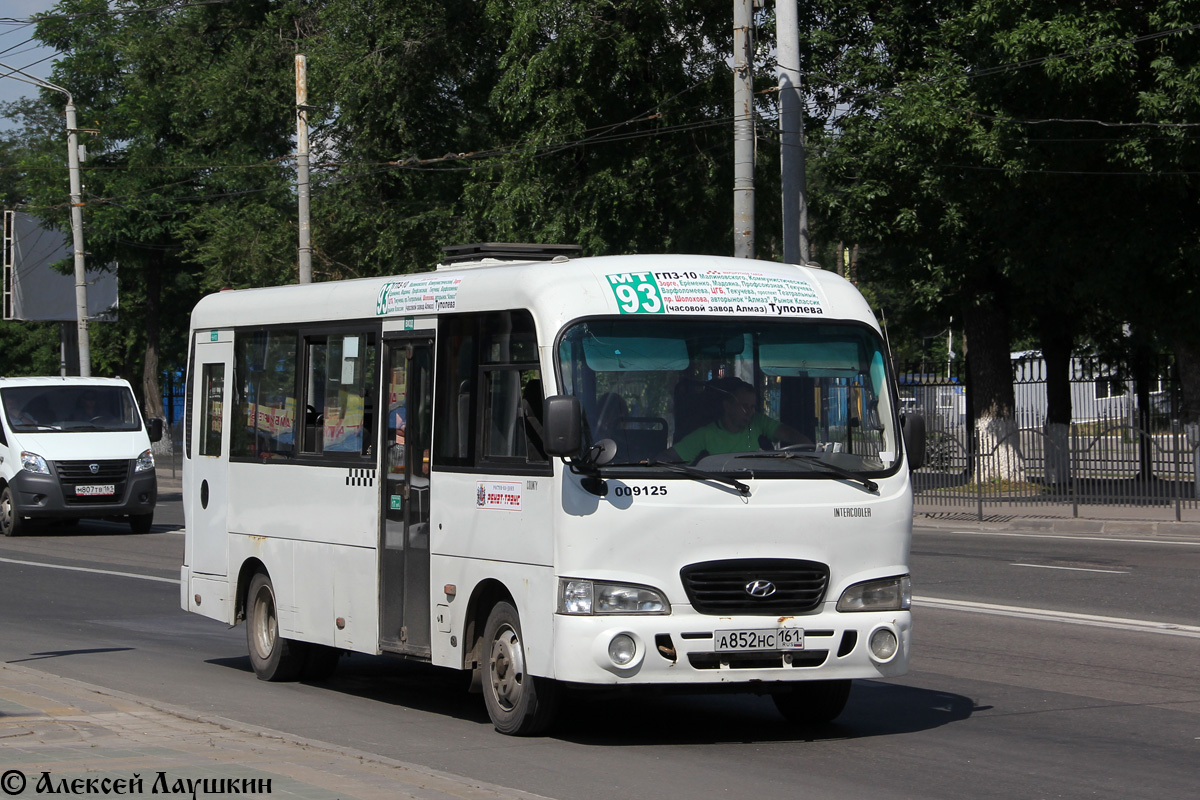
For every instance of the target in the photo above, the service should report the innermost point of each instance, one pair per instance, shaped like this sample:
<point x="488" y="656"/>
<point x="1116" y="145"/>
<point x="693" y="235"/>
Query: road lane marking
<point x="1074" y="569"/>
<point x="88" y="569"/>
<point x="1045" y="615"/>
<point x="1069" y="536"/>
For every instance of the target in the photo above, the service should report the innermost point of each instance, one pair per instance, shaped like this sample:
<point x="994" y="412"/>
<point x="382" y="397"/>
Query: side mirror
<point x="913" y="427"/>
<point x="154" y="428"/>
<point x="563" y="425"/>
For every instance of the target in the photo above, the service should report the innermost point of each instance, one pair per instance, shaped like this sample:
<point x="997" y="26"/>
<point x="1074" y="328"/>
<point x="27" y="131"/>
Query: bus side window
<point x="339" y="400"/>
<point x="264" y="398"/>
<point x="488" y="378"/>
<point x="454" y="385"/>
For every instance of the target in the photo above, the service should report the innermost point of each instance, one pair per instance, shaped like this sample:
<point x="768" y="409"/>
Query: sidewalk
<point x="70" y="738"/>
<point x="1096" y="520"/>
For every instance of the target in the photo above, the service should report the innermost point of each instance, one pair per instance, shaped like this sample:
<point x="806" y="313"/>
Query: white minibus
<point x="555" y="472"/>
<point x="73" y="448"/>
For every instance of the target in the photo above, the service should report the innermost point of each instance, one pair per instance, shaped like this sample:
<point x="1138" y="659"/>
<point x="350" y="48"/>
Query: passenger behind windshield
<point x="740" y="426"/>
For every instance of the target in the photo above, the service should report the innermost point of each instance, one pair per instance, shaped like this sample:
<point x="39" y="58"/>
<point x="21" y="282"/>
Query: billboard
<point x="33" y="290"/>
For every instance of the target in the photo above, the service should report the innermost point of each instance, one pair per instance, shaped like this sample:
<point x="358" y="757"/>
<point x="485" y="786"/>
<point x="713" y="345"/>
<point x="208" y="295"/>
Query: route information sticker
<point x="715" y="292"/>
<point x="413" y="295"/>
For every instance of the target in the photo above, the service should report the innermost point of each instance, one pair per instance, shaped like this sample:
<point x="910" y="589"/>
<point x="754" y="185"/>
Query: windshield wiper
<point x="700" y="474"/>
<point x="812" y="459"/>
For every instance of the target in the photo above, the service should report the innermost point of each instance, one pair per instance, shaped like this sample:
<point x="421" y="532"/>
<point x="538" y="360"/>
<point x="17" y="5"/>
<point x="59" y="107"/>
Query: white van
<point x="72" y="448"/>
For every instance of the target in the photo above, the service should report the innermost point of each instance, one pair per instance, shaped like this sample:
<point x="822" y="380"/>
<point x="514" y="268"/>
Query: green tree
<point x="184" y="180"/>
<point x="1008" y="161"/>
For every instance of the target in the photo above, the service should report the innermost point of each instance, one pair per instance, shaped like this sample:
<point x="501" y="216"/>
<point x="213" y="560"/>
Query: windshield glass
<point x="70" y="408"/>
<point x="725" y="395"/>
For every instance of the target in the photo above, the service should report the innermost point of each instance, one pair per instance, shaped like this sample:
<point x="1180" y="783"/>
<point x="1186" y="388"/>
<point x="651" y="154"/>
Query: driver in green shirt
<point x="737" y="429"/>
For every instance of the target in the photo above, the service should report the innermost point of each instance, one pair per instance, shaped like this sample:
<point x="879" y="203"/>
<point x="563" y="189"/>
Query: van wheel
<point x="140" y="523"/>
<point x="11" y="521"/>
<point x="812" y="702"/>
<point x="273" y="657"/>
<point x="518" y="703"/>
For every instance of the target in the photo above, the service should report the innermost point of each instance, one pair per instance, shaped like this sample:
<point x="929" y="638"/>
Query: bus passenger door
<point x="404" y="545"/>
<point x="205" y="492"/>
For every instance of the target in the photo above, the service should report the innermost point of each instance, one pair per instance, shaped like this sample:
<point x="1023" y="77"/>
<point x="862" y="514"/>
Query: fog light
<point x="884" y="644"/>
<point x="622" y="649"/>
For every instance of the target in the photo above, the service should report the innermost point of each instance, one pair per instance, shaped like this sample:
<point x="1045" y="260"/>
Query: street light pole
<point x="303" y="188"/>
<point x="743" y="131"/>
<point x="81" y="305"/>
<point x="81" y="302"/>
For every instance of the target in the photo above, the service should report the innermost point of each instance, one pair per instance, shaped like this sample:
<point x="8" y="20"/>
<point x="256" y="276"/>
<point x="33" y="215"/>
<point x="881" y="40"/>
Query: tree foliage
<point x="1008" y="163"/>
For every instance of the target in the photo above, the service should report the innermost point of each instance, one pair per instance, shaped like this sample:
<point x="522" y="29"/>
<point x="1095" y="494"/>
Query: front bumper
<point x="43" y="497"/>
<point x="679" y="648"/>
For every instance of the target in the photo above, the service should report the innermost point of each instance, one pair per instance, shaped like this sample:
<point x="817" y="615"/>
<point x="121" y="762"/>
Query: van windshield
<point x="734" y="396"/>
<point x="70" y="408"/>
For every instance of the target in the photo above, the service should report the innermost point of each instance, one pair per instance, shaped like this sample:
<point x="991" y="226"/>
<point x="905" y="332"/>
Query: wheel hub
<point x="507" y="668"/>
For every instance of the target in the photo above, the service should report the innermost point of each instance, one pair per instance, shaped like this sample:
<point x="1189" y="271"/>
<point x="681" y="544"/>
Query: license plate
<point x="761" y="639"/>
<point x="95" y="490"/>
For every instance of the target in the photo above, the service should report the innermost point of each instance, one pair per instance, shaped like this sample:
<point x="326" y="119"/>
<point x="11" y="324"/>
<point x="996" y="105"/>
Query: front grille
<point x="79" y="473"/>
<point x="721" y="587"/>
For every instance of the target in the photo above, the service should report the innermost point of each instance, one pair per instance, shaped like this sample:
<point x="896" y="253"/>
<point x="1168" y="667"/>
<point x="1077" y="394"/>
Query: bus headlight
<point x="144" y="462"/>
<point x="888" y="594"/>
<point x="32" y="462"/>
<point x="577" y="596"/>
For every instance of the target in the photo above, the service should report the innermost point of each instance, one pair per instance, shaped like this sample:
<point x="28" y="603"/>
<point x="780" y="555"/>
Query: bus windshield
<point x="742" y="395"/>
<point x="70" y="408"/>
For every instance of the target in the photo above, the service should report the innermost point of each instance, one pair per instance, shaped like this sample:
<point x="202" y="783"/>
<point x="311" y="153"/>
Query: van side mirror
<point x="154" y="428"/>
<point x="913" y="427"/>
<point x="563" y="425"/>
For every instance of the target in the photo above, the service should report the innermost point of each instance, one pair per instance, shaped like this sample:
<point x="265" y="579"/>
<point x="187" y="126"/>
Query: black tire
<point x="11" y="521"/>
<point x="518" y="703"/>
<point x="321" y="663"/>
<point x="273" y="657"/>
<point x="140" y="523"/>
<point x="812" y="702"/>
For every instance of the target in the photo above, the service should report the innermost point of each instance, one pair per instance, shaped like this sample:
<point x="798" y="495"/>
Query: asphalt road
<point x="1096" y="696"/>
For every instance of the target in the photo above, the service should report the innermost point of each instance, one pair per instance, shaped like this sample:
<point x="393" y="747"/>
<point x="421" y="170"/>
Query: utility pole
<point x="81" y="305"/>
<point x="791" y="128"/>
<point x="743" y="132"/>
<point x="302" y="185"/>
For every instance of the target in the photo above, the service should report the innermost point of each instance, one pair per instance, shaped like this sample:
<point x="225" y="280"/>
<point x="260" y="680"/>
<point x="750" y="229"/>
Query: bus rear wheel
<point x="518" y="703"/>
<point x="273" y="657"/>
<point x="812" y="702"/>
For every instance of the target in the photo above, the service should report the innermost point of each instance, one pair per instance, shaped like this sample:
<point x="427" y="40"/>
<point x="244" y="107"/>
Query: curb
<point x="404" y="778"/>
<point x="1165" y="530"/>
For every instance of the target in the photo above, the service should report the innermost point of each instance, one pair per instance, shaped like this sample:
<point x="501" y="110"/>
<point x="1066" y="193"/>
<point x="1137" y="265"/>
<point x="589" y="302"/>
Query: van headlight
<point x="32" y="462"/>
<point x="576" y="596"/>
<point x="887" y="594"/>
<point x="144" y="462"/>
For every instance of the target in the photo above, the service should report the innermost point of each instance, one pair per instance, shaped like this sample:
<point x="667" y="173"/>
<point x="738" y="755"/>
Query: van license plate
<point x="762" y="639"/>
<point x="95" y="490"/>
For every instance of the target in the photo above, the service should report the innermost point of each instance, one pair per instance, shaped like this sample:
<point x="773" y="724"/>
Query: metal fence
<point x="1116" y="452"/>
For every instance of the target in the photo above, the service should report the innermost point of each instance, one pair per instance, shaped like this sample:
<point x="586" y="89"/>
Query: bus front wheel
<point x="518" y="703"/>
<point x="812" y="702"/>
<point x="273" y="657"/>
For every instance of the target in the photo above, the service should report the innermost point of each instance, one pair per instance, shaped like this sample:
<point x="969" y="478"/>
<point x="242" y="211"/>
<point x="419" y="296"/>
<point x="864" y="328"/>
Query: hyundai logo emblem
<point x="760" y="588"/>
<point x="95" y="468"/>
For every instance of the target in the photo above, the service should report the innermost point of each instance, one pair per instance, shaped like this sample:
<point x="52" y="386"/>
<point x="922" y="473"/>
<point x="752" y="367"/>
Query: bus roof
<point x="556" y="292"/>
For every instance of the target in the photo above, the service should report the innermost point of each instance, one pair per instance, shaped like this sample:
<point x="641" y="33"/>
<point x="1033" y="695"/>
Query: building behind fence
<point x="1115" y="451"/>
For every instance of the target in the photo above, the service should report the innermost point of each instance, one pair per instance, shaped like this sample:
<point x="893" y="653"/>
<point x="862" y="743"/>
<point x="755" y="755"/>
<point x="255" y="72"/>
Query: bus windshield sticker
<point x="715" y="292"/>
<point x="498" y="495"/>
<point x="414" y="295"/>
